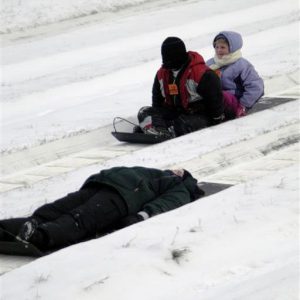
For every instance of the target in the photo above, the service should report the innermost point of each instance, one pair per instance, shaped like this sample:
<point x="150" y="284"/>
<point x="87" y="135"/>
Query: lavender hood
<point x="234" y="40"/>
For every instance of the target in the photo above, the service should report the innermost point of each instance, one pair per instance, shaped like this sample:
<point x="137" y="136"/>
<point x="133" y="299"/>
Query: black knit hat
<point x="173" y="53"/>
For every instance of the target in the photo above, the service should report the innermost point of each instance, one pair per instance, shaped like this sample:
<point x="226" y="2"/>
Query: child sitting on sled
<point x="241" y="85"/>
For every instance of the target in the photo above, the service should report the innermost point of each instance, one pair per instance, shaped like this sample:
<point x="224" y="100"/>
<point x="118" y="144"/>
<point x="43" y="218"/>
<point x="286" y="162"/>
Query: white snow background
<point x="68" y="68"/>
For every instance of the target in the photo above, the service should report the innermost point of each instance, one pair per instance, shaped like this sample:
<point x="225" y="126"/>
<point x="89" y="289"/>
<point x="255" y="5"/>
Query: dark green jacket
<point x="151" y="190"/>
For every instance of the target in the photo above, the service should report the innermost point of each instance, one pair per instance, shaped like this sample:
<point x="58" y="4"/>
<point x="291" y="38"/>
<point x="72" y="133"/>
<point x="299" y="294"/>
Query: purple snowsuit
<point x="239" y="79"/>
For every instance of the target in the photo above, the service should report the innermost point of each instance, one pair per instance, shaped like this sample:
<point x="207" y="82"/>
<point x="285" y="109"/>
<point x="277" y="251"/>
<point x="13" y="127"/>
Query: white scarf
<point x="226" y="59"/>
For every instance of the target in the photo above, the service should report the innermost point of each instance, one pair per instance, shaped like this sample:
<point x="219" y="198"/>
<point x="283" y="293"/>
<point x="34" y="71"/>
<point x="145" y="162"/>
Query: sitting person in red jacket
<point x="186" y="94"/>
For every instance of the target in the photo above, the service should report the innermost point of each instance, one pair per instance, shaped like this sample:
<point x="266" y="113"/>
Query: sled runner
<point x="141" y="138"/>
<point x="19" y="248"/>
<point x="13" y="245"/>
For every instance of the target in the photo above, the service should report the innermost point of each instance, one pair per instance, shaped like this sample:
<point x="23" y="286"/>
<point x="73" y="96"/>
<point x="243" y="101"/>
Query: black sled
<point x="135" y="137"/>
<point x="141" y="138"/>
<point x="210" y="188"/>
<point x="138" y="138"/>
<point x="20" y="248"/>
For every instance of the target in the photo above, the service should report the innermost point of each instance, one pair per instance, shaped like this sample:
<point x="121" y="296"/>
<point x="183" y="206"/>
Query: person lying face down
<point x="111" y="199"/>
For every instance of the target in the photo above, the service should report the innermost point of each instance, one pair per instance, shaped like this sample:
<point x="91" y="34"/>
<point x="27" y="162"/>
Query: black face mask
<point x="174" y="66"/>
<point x="173" y="52"/>
<point x="175" y="63"/>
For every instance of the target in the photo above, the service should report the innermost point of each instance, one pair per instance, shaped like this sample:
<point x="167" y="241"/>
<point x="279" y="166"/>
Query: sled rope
<point x="122" y="119"/>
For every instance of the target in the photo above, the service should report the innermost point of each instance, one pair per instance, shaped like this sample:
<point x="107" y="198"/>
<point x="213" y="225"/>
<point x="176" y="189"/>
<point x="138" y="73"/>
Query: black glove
<point x="218" y="120"/>
<point x="132" y="219"/>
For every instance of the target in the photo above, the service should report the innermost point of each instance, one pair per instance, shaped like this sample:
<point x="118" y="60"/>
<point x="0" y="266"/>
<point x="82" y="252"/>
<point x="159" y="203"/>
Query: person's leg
<point x="99" y="212"/>
<point x="232" y="107"/>
<point x="54" y="210"/>
<point x="51" y="211"/>
<point x="155" y="121"/>
<point x="188" y="123"/>
<point x="149" y="117"/>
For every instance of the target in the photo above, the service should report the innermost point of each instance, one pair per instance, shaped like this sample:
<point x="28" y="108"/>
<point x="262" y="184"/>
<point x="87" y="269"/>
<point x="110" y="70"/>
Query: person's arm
<point x="210" y="89"/>
<point x="172" y="194"/>
<point x="253" y="86"/>
<point x="157" y="97"/>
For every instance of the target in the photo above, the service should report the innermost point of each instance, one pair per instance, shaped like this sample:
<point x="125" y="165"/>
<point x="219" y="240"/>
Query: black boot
<point x="137" y="129"/>
<point x="39" y="239"/>
<point x="27" y="230"/>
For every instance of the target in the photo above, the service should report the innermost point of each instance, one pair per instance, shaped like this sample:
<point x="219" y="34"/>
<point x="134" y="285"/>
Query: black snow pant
<point x="76" y="217"/>
<point x="181" y="122"/>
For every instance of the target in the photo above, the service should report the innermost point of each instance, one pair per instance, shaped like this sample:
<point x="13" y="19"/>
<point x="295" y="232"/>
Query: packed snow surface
<point x="68" y="68"/>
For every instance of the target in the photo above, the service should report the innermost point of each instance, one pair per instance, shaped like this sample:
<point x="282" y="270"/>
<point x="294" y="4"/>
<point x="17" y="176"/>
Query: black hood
<point x="191" y="184"/>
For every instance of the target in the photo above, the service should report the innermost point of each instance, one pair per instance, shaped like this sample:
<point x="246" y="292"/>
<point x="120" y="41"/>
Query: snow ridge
<point x="21" y="14"/>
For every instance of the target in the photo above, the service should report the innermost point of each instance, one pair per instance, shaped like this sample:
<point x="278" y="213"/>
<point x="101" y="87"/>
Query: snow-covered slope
<point x="239" y="244"/>
<point x="62" y="84"/>
<point x="76" y="81"/>
<point x="21" y="15"/>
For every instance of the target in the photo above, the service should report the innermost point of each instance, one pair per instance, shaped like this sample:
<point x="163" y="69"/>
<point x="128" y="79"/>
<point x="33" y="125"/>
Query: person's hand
<point x="218" y="120"/>
<point x="132" y="219"/>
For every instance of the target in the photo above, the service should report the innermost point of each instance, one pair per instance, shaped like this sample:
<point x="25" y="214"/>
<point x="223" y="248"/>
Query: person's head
<point x="191" y="184"/>
<point x="227" y="42"/>
<point x="189" y="181"/>
<point x="173" y="52"/>
<point x="178" y="172"/>
<point x="221" y="47"/>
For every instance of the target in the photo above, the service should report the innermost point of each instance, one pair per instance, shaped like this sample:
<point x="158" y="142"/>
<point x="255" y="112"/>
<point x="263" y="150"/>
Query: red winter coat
<point x="196" y="88"/>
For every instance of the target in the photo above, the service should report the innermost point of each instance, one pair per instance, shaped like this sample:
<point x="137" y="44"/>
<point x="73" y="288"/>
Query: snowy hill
<point x="63" y="83"/>
<point x="239" y="244"/>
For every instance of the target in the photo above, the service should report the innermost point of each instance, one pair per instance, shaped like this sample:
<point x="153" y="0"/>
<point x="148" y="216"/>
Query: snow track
<point x="255" y="143"/>
<point x="248" y="158"/>
<point x="47" y="79"/>
<point x="62" y="86"/>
